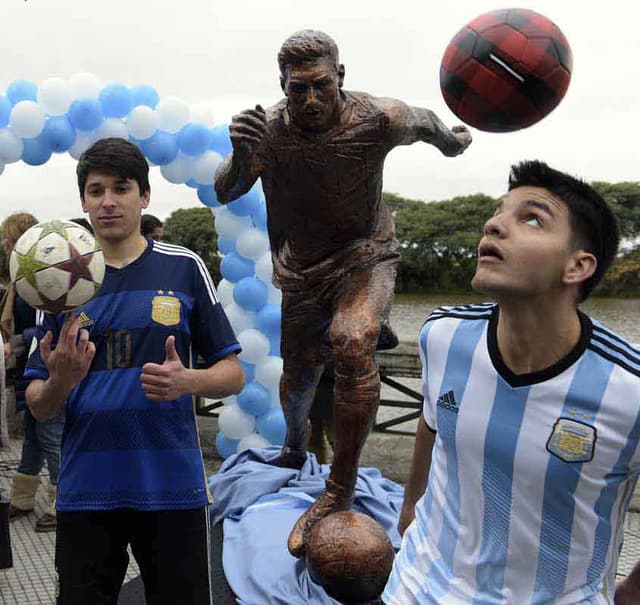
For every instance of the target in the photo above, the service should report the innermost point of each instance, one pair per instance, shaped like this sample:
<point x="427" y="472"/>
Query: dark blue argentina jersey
<point x="118" y="448"/>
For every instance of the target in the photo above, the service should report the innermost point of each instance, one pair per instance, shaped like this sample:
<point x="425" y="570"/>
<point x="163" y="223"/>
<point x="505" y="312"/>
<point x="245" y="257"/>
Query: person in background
<point x="151" y="226"/>
<point x="41" y="438"/>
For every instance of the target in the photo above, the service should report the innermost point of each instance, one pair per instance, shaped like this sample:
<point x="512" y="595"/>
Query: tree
<point x="624" y="199"/>
<point x="194" y="228"/>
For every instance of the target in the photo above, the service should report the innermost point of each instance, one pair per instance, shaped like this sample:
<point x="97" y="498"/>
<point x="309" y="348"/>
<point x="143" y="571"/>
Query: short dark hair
<point x="149" y="223"/>
<point x="594" y="226"/>
<point x="83" y="222"/>
<point x="117" y="157"/>
<point x="306" y="45"/>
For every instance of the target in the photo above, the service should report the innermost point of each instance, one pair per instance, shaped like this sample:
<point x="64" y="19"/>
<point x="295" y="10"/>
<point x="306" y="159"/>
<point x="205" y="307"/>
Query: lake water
<point x="622" y="315"/>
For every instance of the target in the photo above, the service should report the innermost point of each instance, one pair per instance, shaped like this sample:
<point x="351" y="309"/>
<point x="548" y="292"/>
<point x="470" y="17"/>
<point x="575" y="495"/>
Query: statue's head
<point x="311" y="78"/>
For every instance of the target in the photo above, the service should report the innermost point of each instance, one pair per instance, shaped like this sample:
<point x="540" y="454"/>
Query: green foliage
<point x="438" y="241"/>
<point x="624" y="199"/>
<point x="194" y="229"/>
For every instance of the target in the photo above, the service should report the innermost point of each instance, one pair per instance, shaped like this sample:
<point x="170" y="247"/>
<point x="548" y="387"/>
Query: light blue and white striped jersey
<point x="531" y="474"/>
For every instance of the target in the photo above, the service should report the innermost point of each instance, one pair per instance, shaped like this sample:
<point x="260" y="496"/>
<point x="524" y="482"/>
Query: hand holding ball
<point x="56" y="266"/>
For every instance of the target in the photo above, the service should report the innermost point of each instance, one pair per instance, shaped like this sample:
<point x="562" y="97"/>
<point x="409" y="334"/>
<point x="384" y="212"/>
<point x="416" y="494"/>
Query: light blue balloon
<point x="58" y="134"/>
<point x="161" y="148"/>
<point x="85" y="114"/>
<point x="207" y="195"/>
<point x="226" y="447"/>
<point x="234" y="267"/>
<point x="269" y="319"/>
<point x="226" y="245"/>
<point x="35" y="152"/>
<point x="22" y="90"/>
<point x="145" y="95"/>
<point x="116" y="100"/>
<point x="194" y="139"/>
<point x="254" y="399"/>
<point x="5" y="111"/>
<point x="250" y="294"/>
<point x="246" y="204"/>
<point x="192" y="183"/>
<point x="274" y="345"/>
<point x="249" y="371"/>
<point x="221" y="140"/>
<point x="272" y="426"/>
<point x="259" y="217"/>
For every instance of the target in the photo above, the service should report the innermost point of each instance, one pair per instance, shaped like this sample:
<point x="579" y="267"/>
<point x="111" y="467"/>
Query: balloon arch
<point x="61" y="116"/>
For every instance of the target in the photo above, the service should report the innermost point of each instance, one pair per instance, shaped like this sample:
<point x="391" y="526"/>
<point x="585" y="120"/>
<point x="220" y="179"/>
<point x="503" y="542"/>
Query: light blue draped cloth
<point x="259" y="504"/>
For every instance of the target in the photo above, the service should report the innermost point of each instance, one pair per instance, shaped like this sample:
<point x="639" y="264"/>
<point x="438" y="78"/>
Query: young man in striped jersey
<point x="528" y="449"/>
<point x="122" y="367"/>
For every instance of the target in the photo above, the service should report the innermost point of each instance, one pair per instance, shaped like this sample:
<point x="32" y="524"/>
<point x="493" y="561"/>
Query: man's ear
<point x="282" y="84"/>
<point x="146" y="198"/>
<point x="340" y="75"/>
<point x="580" y="267"/>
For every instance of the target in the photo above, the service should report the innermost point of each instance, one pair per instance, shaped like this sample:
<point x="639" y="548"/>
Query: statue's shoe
<point x="332" y="500"/>
<point x="289" y="458"/>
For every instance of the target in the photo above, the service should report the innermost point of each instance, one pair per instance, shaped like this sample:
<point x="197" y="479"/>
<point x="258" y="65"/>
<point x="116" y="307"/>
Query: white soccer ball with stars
<point x="56" y="266"/>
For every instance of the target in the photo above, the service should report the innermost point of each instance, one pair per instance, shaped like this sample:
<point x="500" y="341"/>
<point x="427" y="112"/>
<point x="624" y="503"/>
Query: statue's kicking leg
<point x="354" y="333"/>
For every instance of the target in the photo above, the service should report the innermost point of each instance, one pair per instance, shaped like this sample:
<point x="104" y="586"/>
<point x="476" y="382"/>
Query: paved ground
<point x="31" y="580"/>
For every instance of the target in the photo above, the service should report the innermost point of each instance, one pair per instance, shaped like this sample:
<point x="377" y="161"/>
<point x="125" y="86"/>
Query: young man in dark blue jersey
<point x="123" y="369"/>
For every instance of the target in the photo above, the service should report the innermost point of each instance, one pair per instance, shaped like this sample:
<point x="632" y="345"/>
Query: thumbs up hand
<point x="166" y="381"/>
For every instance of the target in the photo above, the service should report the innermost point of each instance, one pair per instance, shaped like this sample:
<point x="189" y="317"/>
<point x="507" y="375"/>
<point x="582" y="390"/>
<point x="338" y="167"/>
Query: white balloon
<point x="173" y="114"/>
<point x="142" y="122"/>
<point x="225" y="292"/>
<point x="253" y="243"/>
<point x="269" y="371"/>
<point x="111" y="127"/>
<point x="26" y="119"/>
<point x="231" y="400"/>
<point x="229" y="225"/>
<point x="234" y="423"/>
<point x="179" y="170"/>
<point x="83" y="141"/>
<point x="54" y="96"/>
<point x="201" y="113"/>
<point x="11" y="147"/>
<point x="85" y="86"/>
<point x="255" y="346"/>
<point x="253" y="441"/>
<point x="204" y="167"/>
<point x="275" y="296"/>
<point x="239" y="318"/>
<point x="264" y="268"/>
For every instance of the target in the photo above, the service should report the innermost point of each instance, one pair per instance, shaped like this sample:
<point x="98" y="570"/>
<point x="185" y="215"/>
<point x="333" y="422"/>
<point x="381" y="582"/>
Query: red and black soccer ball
<point x="506" y="70"/>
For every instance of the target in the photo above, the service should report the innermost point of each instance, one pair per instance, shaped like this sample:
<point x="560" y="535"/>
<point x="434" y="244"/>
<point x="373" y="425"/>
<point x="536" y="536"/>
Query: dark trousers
<point x="170" y="547"/>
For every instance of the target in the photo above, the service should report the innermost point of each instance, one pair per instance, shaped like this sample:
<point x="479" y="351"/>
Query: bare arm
<point x="418" y="475"/>
<point x="628" y="591"/>
<point x="409" y="124"/>
<point x="67" y="364"/>
<point x="170" y="380"/>
<point x="240" y="170"/>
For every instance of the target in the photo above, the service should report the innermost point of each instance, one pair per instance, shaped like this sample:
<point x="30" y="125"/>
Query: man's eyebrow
<point x="543" y="206"/>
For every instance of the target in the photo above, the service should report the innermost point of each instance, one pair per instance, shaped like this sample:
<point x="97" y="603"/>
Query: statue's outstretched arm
<point x="409" y="124"/>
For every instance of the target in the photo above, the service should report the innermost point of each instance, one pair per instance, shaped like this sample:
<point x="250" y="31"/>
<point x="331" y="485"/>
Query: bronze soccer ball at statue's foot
<point x="333" y="499"/>
<point x="350" y="556"/>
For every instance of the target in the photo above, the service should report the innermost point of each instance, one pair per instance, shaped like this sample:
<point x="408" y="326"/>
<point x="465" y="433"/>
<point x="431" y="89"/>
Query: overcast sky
<point x="223" y="53"/>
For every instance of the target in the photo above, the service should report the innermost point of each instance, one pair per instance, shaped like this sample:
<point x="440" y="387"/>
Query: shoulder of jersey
<point x="472" y="311"/>
<point x="614" y="348"/>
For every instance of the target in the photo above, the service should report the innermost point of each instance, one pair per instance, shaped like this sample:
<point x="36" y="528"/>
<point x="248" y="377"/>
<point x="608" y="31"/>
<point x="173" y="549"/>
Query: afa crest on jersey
<point x="165" y="309"/>
<point x="572" y="440"/>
